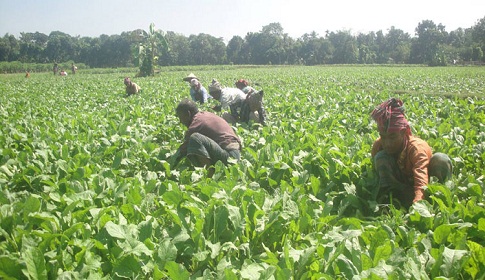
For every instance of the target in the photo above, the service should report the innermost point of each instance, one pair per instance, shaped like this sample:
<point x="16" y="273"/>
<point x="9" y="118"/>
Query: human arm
<point x="262" y="115"/>
<point x="419" y="156"/>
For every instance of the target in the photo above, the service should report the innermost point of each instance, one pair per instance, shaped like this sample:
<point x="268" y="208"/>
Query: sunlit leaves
<point x="89" y="191"/>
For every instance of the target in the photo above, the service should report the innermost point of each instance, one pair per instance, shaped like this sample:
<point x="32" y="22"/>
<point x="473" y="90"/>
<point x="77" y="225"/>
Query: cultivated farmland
<point x="87" y="192"/>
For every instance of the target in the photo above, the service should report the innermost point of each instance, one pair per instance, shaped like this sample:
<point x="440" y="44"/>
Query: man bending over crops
<point x="404" y="162"/>
<point x="243" y="107"/>
<point x="252" y="109"/>
<point x="243" y="85"/>
<point x="208" y="139"/>
<point x="131" y="87"/>
<point x="230" y="98"/>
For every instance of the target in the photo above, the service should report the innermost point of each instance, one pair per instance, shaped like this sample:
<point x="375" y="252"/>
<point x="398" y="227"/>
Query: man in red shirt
<point x="404" y="162"/>
<point x="208" y="139"/>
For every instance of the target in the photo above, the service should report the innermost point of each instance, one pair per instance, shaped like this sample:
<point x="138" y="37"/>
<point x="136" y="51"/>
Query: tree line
<point x="431" y="45"/>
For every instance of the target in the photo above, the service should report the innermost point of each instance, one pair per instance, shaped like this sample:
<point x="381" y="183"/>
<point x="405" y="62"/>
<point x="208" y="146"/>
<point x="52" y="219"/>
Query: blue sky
<point x="234" y="17"/>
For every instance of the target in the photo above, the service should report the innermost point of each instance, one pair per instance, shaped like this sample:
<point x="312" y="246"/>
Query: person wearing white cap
<point x="198" y="92"/>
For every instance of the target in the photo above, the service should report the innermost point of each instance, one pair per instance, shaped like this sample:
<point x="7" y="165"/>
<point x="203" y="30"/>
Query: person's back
<point x="214" y="127"/>
<point x="252" y="109"/>
<point x="231" y="96"/>
<point x="208" y="138"/>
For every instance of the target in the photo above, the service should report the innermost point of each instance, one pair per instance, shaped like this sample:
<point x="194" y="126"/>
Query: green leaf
<point x="31" y="205"/>
<point x="252" y="271"/>
<point x="441" y="233"/>
<point x="421" y="209"/>
<point x="176" y="271"/>
<point x="145" y="229"/>
<point x="128" y="267"/>
<point x="167" y="251"/>
<point x="481" y="224"/>
<point x="453" y="261"/>
<point x="10" y="268"/>
<point x="34" y="260"/>
<point x="382" y="252"/>
<point x="115" y="230"/>
<point x="117" y="160"/>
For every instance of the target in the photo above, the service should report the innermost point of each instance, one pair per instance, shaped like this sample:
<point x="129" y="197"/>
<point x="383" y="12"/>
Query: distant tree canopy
<point x="431" y="45"/>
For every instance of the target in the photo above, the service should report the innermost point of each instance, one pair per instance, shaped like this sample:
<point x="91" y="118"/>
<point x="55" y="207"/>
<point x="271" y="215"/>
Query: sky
<point x="226" y="19"/>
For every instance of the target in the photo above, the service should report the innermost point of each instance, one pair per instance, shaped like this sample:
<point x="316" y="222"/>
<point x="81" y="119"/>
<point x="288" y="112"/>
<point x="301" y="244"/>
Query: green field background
<point x="87" y="192"/>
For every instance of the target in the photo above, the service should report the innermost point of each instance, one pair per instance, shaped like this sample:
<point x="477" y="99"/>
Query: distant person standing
<point x="55" y="69"/>
<point x="73" y="68"/>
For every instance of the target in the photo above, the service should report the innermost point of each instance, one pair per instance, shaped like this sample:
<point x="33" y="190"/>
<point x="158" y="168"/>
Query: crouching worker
<point x="402" y="161"/>
<point x="243" y="107"/>
<point x="208" y="139"/>
<point x="131" y="87"/>
<point x="252" y="109"/>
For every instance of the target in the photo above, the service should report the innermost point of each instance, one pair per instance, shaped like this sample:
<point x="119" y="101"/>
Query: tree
<point x="179" y="52"/>
<point x="234" y="50"/>
<point x="32" y="47"/>
<point x="427" y="47"/>
<point x="151" y="45"/>
<point x="267" y="46"/>
<point x="345" y="47"/>
<point x="478" y="33"/>
<point x="314" y="49"/>
<point x="368" y="48"/>
<point x="398" y="45"/>
<point x="9" y="48"/>
<point x="60" y="47"/>
<point x="207" y="49"/>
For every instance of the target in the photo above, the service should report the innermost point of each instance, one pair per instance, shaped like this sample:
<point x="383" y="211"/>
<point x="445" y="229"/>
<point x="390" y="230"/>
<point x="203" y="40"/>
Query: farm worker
<point x="208" y="139"/>
<point x="230" y="98"/>
<point x="55" y="69"/>
<point x="404" y="162"/>
<point x="190" y="77"/>
<point x="131" y="87"/>
<point x="252" y="109"/>
<point x="63" y="73"/>
<point x="73" y="68"/>
<point x="243" y="85"/>
<point x="198" y="92"/>
<point x="27" y="74"/>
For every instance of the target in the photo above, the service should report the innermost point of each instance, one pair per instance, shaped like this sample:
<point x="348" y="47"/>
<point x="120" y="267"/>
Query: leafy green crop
<point x="88" y="193"/>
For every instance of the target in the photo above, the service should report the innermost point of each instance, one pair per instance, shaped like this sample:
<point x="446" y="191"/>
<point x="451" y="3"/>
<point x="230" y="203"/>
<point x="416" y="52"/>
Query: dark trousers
<point x="393" y="182"/>
<point x="203" y="146"/>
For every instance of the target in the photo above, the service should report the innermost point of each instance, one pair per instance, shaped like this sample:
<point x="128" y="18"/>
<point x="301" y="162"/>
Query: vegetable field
<point x="87" y="191"/>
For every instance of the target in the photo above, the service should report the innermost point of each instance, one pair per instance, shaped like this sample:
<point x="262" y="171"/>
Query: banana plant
<point x="151" y="45"/>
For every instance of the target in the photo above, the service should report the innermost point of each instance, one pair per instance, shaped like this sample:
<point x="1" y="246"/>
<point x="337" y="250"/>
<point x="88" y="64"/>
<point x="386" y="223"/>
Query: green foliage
<point x="87" y="190"/>
<point x="151" y="45"/>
